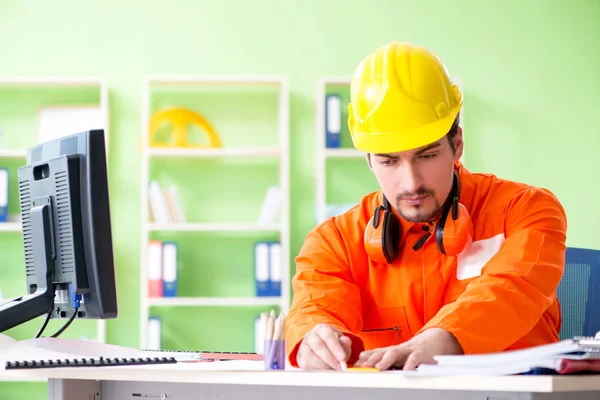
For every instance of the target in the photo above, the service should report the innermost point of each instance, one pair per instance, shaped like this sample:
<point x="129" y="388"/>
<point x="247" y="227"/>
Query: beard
<point x="421" y="212"/>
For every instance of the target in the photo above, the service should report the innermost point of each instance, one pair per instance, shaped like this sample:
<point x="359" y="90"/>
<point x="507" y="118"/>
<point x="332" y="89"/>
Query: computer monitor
<point x="69" y="267"/>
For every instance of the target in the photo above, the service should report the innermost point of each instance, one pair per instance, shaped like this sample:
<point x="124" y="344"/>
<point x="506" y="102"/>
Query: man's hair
<point x="453" y="132"/>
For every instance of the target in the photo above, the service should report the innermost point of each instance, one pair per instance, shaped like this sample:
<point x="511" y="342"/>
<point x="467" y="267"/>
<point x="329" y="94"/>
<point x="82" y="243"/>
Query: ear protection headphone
<point x="382" y="234"/>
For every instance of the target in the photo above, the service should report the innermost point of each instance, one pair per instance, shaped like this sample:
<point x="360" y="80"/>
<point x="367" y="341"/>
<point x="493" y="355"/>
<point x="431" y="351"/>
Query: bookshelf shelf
<point x="13" y="153"/>
<point x="216" y="227"/>
<point x="10" y="227"/>
<point x="61" y="81"/>
<point x="213" y="301"/>
<point x="250" y="114"/>
<point x="343" y="153"/>
<point x="229" y="80"/>
<point x="218" y="152"/>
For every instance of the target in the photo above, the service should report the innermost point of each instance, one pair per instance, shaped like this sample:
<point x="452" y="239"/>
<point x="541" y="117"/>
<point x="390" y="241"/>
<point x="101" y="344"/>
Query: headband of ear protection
<point x="382" y="234"/>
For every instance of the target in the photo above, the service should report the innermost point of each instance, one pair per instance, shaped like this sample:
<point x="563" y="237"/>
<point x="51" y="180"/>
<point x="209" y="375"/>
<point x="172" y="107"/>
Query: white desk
<point x="117" y="383"/>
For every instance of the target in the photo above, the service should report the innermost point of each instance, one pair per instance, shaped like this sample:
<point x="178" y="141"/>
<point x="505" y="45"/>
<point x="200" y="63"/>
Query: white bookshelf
<point x="278" y="153"/>
<point x="12" y="154"/>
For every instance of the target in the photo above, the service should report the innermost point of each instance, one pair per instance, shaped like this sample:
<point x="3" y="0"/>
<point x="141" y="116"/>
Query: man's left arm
<point x="518" y="284"/>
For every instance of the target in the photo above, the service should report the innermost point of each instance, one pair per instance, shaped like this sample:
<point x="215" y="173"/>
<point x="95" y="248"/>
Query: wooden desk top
<point x="201" y="373"/>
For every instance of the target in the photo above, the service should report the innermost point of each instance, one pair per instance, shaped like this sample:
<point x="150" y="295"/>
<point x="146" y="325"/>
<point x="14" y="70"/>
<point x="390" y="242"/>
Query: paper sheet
<point x="230" y="365"/>
<point x="83" y="348"/>
<point x="6" y="342"/>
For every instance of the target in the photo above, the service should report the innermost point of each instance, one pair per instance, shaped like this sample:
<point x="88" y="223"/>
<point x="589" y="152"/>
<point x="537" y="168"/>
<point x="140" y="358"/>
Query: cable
<point x="45" y="322"/>
<point x="65" y="326"/>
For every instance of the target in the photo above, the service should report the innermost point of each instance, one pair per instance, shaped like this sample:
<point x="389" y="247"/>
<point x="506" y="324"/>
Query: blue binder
<point x="3" y="194"/>
<point x="333" y="120"/>
<point x="261" y="268"/>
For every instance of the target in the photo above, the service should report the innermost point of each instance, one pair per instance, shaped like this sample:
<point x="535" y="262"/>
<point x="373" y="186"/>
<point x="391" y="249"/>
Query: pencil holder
<point x="274" y="354"/>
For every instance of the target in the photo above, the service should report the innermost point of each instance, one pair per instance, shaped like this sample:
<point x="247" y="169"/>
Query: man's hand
<point x="418" y="350"/>
<point x="323" y="347"/>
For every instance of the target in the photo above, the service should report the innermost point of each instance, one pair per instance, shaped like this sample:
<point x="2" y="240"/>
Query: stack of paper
<point x="557" y="357"/>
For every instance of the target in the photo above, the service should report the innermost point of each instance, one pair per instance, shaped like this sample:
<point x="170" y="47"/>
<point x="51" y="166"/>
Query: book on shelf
<point x="333" y="120"/>
<point x="162" y="268"/>
<point x="3" y="194"/>
<point x="267" y="268"/>
<point x="165" y="204"/>
<point x="269" y="213"/>
<point x="154" y="333"/>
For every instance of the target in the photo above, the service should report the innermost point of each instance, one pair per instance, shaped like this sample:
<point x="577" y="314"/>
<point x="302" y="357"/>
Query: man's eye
<point x="428" y="156"/>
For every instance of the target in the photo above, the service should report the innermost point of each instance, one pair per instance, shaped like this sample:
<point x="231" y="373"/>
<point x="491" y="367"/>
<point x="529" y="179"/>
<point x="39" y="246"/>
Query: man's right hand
<point x="323" y="347"/>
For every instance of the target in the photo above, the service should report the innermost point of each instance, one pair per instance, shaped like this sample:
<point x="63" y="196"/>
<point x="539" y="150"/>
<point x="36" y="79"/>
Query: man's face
<point x="417" y="182"/>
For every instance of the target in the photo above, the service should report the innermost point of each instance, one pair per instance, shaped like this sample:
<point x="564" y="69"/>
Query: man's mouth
<point x="414" y="201"/>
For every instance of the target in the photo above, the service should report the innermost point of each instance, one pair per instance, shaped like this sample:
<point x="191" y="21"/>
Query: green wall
<point x="529" y="71"/>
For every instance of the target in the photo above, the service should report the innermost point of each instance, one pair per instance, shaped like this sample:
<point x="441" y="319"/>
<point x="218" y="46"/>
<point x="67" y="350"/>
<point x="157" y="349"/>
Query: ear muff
<point x="453" y="234"/>
<point x="382" y="235"/>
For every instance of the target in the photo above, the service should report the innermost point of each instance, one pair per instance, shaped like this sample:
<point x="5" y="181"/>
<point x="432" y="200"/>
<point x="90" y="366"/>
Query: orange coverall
<point x="500" y="294"/>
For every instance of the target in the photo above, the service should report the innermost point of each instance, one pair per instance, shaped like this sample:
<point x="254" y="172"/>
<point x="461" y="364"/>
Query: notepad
<point x="184" y="355"/>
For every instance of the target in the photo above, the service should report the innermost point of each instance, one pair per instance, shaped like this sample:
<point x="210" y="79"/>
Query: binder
<point x="155" y="282"/>
<point x="275" y="269"/>
<point x="158" y="203"/>
<point x="259" y="337"/>
<point x="261" y="268"/>
<point x="169" y="269"/>
<point x="3" y="194"/>
<point x="333" y="120"/>
<point x="269" y="212"/>
<point x="154" y="333"/>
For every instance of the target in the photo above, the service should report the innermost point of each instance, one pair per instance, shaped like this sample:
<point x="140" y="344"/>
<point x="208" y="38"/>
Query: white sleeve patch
<point x="476" y="256"/>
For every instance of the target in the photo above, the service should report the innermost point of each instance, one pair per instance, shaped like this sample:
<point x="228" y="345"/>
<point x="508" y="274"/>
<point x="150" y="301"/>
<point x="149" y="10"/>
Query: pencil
<point x="270" y="326"/>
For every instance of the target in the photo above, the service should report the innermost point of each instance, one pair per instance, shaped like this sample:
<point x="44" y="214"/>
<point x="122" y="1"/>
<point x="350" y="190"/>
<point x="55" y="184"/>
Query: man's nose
<point x="410" y="178"/>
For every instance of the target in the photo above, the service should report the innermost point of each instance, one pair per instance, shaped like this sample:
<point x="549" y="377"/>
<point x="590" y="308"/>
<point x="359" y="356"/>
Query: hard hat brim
<point x="396" y="142"/>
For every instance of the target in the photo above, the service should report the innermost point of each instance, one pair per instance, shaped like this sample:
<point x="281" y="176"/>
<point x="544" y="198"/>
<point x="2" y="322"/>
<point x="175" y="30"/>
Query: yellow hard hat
<point x="401" y="98"/>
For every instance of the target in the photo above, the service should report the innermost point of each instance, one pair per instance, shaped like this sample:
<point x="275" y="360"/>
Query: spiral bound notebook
<point x="61" y="352"/>
<point x="87" y="362"/>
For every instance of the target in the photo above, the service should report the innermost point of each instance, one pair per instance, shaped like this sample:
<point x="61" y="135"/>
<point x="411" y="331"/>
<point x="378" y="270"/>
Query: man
<point x="441" y="260"/>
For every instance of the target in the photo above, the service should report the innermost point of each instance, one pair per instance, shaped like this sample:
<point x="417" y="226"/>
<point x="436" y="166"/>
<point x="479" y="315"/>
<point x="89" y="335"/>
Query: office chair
<point x="579" y="293"/>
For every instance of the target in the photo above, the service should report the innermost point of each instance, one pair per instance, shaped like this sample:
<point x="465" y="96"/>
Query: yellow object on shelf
<point x="180" y="118"/>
